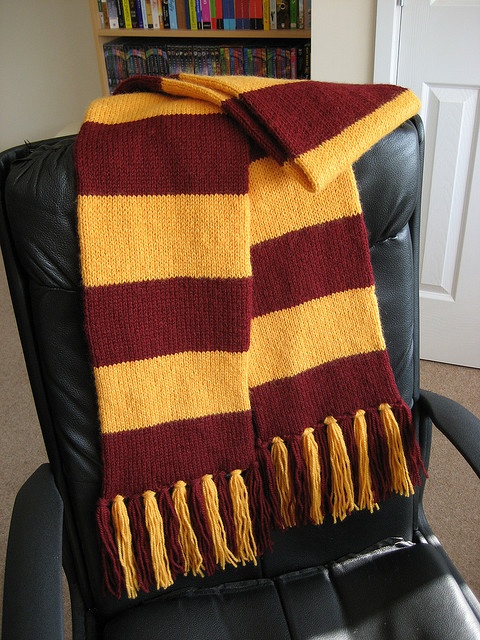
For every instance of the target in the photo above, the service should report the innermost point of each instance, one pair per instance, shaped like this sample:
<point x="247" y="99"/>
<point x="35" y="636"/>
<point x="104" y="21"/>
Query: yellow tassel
<point x="343" y="499"/>
<point x="223" y="555"/>
<point x="366" y="498"/>
<point x="279" y="455"/>
<point x="246" y="547"/>
<point x="121" y="523"/>
<point x="154" y="523"/>
<point x="312" y="462"/>
<point x="401" y="482"/>
<point x="186" y="537"/>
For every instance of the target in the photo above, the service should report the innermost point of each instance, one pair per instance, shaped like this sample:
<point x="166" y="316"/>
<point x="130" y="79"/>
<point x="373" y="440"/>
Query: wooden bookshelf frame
<point x="101" y="36"/>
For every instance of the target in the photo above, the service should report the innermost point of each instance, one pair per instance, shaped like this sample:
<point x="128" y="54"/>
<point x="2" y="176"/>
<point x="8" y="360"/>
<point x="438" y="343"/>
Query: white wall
<point x="48" y="69"/>
<point x="343" y="38"/>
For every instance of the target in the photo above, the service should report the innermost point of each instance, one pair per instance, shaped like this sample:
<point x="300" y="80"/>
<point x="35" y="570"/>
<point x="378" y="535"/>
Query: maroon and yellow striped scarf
<point x="242" y="377"/>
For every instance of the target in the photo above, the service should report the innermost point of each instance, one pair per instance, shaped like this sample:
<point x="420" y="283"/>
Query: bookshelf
<point x="187" y="37"/>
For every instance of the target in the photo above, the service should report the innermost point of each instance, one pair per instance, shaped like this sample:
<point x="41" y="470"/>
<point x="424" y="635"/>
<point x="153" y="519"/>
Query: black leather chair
<point x="381" y="575"/>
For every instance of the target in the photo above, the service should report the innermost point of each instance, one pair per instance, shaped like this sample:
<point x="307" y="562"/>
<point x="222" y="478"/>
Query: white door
<point x="438" y="56"/>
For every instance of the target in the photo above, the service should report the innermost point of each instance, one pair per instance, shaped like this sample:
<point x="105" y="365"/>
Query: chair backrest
<point x="40" y="247"/>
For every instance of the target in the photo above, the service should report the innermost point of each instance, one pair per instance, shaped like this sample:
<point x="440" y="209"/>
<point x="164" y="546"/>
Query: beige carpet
<point x="452" y="496"/>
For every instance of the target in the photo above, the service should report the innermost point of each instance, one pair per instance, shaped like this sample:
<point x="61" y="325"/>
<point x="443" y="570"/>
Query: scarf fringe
<point x="346" y="464"/>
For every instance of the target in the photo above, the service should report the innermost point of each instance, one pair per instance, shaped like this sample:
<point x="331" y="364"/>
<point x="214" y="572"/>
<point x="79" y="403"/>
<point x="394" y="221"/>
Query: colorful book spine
<point x="138" y="12"/>
<point x="148" y="5"/>
<point x="247" y="61"/>
<point x="142" y="13"/>
<point x="133" y="14"/>
<point x="192" y="15"/>
<point x="198" y="9"/>
<point x="206" y="20"/>
<point x="203" y="62"/>
<point x="266" y="14"/>
<point x="217" y="69"/>
<point x="255" y="13"/>
<point x="270" y="54"/>
<point x="172" y="10"/>
<point x="293" y="63"/>
<point x="165" y="14"/>
<point x="181" y="12"/>
<point x="229" y="21"/>
<point x="273" y="14"/>
<point x="162" y="61"/>
<point x="157" y="19"/>
<point x="293" y="12"/>
<point x="112" y="14"/>
<point x="245" y="13"/>
<point x="127" y="18"/>
<point x="307" y="60"/>
<point x="288" y="64"/>
<point x="224" y="61"/>
<point x="101" y="17"/>
<point x="151" y="60"/>
<point x="301" y="14"/>
<point x="283" y="18"/>
<point x="109" y="66"/>
<point x="259" y="61"/>
<point x="213" y="13"/>
<point x="121" y="17"/>
<point x="219" y="12"/>
<point x="237" y="61"/>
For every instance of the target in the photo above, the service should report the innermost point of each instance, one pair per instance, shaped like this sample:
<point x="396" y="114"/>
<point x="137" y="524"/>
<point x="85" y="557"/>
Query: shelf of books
<point x="267" y="38"/>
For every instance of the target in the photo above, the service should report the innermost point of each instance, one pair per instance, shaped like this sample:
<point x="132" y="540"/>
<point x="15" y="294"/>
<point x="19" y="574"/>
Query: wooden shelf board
<point x="207" y="33"/>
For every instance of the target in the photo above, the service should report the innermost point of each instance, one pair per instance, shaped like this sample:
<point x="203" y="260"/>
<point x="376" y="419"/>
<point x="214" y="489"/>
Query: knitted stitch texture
<point x="242" y="377"/>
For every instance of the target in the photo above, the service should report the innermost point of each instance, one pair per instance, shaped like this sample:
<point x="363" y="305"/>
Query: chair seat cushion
<point x="386" y="593"/>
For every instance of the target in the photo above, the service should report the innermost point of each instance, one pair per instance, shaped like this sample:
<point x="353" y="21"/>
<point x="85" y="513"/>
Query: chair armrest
<point x="32" y="601"/>
<point x="460" y="426"/>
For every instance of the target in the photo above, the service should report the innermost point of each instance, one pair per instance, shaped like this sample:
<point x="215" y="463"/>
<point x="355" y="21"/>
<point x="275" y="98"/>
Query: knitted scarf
<point x="242" y="376"/>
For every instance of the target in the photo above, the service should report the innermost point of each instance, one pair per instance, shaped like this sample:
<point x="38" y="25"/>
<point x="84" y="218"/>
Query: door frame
<point x="387" y="41"/>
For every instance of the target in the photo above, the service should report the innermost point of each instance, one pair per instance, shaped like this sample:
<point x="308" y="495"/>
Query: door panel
<point x="439" y="58"/>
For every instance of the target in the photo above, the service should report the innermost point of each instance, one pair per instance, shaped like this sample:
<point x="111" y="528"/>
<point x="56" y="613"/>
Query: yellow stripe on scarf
<point x="274" y="195"/>
<point x="166" y="385"/>
<point x="160" y="237"/>
<point x="279" y="350"/>
<point x="122" y="108"/>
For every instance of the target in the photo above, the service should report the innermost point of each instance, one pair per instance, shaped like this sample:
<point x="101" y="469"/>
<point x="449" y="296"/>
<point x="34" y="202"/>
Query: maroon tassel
<point x="113" y="575"/>
<point x="378" y="456"/>
<point x="346" y="423"/>
<point x="141" y="543"/>
<point x="298" y="473"/>
<point x="323" y="453"/>
<point x="260" y="510"/>
<point x="410" y="444"/>
<point x="171" y="529"/>
<point x="269" y="484"/>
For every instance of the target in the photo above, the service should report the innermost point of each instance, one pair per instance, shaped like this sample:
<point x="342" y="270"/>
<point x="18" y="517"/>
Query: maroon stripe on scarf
<point x="303" y="115"/>
<point x="160" y="455"/>
<point x="130" y="154"/>
<point x="302" y="265"/>
<point x="139" y="320"/>
<point x="286" y="407"/>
